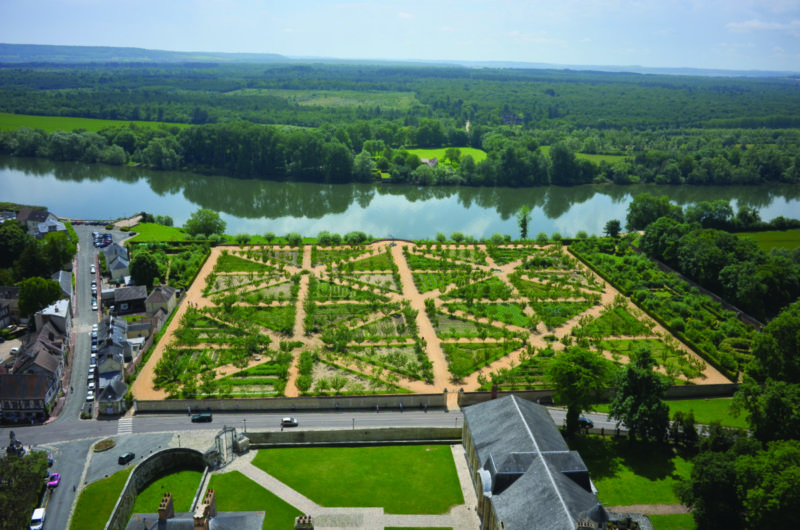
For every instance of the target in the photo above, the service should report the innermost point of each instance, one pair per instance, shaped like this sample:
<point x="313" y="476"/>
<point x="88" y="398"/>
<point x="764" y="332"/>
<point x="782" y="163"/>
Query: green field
<point x="705" y="411"/>
<point x="237" y="493"/>
<point x="680" y="521"/>
<point x="146" y="232"/>
<point x="183" y="486"/>
<point x="418" y="479"/>
<point x="97" y="501"/>
<point x="609" y="159"/>
<point x="60" y="123"/>
<point x="476" y="154"/>
<point x="337" y="98"/>
<point x="775" y="239"/>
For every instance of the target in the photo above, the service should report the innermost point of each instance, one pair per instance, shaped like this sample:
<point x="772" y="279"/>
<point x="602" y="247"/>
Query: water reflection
<point x="94" y="190"/>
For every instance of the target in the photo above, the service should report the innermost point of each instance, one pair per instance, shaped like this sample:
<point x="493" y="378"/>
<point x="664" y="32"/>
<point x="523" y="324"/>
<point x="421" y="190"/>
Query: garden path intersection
<point x="539" y="337"/>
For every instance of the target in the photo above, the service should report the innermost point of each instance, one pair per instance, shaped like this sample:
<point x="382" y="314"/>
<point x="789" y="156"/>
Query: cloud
<point x="404" y="15"/>
<point x="755" y="24"/>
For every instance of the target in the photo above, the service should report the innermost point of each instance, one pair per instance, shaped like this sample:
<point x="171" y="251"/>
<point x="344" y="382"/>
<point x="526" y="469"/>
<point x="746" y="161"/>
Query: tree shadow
<point x="607" y="457"/>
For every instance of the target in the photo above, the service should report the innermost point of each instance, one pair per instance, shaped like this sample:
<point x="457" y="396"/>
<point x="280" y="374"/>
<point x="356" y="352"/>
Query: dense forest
<point x="342" y="122"/>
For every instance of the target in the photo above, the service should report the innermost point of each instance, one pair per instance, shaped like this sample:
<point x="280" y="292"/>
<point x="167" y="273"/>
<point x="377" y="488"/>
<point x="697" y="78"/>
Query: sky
<point x="716" y="34"/>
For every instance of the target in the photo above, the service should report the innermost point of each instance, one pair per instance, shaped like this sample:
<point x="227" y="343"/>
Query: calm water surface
<point x="256" y="206"/>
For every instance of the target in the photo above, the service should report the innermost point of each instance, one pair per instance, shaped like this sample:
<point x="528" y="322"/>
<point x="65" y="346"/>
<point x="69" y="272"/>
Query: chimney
<point x="166" y="510"/>
<point x="212" y="503"/>
<point x="201" y="517"/>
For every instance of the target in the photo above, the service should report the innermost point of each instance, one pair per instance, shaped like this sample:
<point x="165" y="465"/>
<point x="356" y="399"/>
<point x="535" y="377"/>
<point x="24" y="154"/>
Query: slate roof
<point x="162" y="294"/>
<point x="115" y="391"/>
<point x="184" y="521"/>
<point x="114" y="250"/>
<point x="118" y="263"/>
<point x="64" y="279"/>
<point x="29" y="214"/>
<point x="126" y="294"/>
<point x="24" y="386"/>
<point x="535" y="478"/>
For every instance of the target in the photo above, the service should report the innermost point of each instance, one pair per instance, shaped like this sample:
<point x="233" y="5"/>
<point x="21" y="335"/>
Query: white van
<point x="37" y="520"/>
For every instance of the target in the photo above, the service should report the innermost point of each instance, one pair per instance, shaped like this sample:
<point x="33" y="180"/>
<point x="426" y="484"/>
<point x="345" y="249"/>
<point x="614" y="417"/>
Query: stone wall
<point x="405" y="435"/>
<point x="152" y="468"/>
<point x="362" y="402"/>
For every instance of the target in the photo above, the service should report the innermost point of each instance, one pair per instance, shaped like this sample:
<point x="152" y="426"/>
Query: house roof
<point x="9" y="293"/>
<point x="534" y="476"/>
<point x="115" y="391"/>
<point x="59" y="308"/>
<point x="162" y="294"/>
<point x="64" y="279"/>
<point x="185" y="521"/>
<point x="29" y="214"/>
<point x="115" y="249"/>
<point x="118" y="263"/>
<point x="127" y="294"/>
<point x="24" y="386"/>
<point x="51" y="226"/>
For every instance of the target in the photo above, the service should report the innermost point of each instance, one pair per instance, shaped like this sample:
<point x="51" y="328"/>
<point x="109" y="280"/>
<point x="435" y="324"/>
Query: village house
<point x="26" y="398"/>
<point x="163" y="297"/>
<point x="130" y="300"/>
<point x="32" y="218"/>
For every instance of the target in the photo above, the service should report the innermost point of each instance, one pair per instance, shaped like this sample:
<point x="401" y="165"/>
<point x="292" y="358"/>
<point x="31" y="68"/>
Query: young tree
<point x="639" y="401"/>
<point x="579" y="378"/>
<point x="523" y="218"/>
<point x="613" y="228"/>
<point x="144" y="269"/>
<point x="205" y="221"/>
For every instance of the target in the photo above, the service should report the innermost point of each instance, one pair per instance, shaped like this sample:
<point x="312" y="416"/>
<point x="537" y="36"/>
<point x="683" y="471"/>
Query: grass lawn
<point x="401" y="479"/>
<point x="97" y="501"/>
<point x="237" y="493"/>
<point x="680" y="521"/>
<point x="146" y="232"/>
<point x="50" y="124"/>
<point x="628" y="473"/>
<point x="705" y="411"/>
<point x="477" y="154"/>
<point x="775" y="238"/>
<point x="183" y="486"/>
<point x="611" y="159"/>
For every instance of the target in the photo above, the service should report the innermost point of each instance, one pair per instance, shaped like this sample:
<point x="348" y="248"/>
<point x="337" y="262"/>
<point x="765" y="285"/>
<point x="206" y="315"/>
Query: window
<point x="123" y="307"/>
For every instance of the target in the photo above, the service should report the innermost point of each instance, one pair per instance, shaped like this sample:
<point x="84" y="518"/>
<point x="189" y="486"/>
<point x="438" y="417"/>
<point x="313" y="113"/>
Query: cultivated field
<point x="50" y="124"/>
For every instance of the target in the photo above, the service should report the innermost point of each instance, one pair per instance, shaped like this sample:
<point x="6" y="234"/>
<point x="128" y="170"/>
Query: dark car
<point x="585" y="423"/>
<point x="124" y="458"/>
<point x="204" y="417"/>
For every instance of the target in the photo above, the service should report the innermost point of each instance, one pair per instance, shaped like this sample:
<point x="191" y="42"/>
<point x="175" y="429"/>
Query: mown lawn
<point x="401" y="479"/>
<point x="146" y="232"/>
<point x="183" y="486"/>
<point x="628" y="473"/>
<point x="97" y="501"/>
<point x="705" y="411"/>
<point x="50" y="124"/>
<point x="610" y="159"/>
<point x="237" y="493"/>
<point x="439" y="154"/>
<point x="680" y="521"/>
<point x="775" y="238"/>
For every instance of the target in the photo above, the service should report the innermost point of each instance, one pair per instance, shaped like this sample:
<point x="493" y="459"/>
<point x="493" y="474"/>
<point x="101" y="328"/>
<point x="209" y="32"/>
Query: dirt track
<point x="143" y="388"/>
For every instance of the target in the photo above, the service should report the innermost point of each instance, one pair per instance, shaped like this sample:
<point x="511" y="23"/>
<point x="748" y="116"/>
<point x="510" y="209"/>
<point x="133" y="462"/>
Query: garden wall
<point x="466" y="399"/>
<point x="404" y="435"/>
<point x="152" y="468"/>
<point x="362" y="402"/>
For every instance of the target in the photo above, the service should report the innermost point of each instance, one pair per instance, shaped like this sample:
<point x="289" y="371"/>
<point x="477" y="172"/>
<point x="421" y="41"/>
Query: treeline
<point x="535" y="99"/>
<point x="362" y="150"/>
<point x="695" y="242"/>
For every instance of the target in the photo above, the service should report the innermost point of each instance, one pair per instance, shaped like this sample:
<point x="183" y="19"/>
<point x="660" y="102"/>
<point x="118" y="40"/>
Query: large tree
<point x="645" y="209"/>
<point x="773" y="410"/>
<point x="777" y="348"/>
<point x="20" y="487"/>
<point x="37" y="293"/>
<point x="144" y="269"/>
<point x="639" y="403"/>
<point x="579" y="378"/>
<point x="205" y="221"/>
<point x="13" y="240"/>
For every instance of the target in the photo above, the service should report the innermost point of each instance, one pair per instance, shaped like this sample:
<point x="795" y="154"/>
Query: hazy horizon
<point x="700" y="34"/>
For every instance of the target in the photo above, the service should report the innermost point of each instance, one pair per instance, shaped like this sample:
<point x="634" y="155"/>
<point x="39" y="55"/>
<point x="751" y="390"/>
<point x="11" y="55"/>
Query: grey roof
<point x="184" y="521"/>
<point x="118" y="262"/>
<point x="9" y="293"/>
<point x="64" y="279"/>
<point x="115" y="390"/>
<point x="536" y="481"/>
<point x="115" y="249"/>
<point x="29" y="214"/>
<point x="24" y="386"/>
<point x="125" y="294"/>
<point x="162" y="294"/>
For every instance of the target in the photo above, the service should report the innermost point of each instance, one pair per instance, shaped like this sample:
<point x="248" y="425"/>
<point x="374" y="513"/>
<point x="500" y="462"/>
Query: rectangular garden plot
<point x="401" y="359"/>
<point x="465" y="358"/>
<point x="510" y="313"/>
<point x="230" y="263"/>
<point x="323" y="257"/>
<point x="614" y="321"/>
<point x="450" y="327"/>
<point x="393" y="326"/>
<point x="490" y="289"/>
<point x="676" y="363"/>
<point x="553" y="314"/>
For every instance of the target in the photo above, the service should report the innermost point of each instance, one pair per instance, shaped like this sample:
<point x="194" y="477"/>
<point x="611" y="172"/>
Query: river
<point x="98" y="191"/>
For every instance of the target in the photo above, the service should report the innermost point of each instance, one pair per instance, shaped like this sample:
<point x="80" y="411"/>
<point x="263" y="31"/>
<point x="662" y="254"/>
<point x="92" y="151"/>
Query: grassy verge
<point x="237" y="493"/>
<point x="628" y="473"/>
<point x="60" y="123"/>
<point x="97" y="500"/>
<point x="705" y="411"/>
<point x="680" y="521"/>
<point x="370" y="476"/>
<point x="183" y="486"/>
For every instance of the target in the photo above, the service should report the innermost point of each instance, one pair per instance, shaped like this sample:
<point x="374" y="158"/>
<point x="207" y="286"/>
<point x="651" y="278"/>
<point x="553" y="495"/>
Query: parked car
<point x="90" y="395"/>
<point x="37" y="519"/>
<point x="91" y="385"/>
<point x="289" y="422"/>
<point x="94" y="305"/>
<point x="54" y="480"/>
<point x="14" y="351"/>
<point x="204" y="417"/>
<point x="585" y="423"/>
<point x="93" y="362"/>
<point x="124" y="458"/>
<point x="92" y="270"/>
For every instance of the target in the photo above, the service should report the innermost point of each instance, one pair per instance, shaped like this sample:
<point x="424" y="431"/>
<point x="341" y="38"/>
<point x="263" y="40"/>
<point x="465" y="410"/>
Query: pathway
<point x="462" y="516"/>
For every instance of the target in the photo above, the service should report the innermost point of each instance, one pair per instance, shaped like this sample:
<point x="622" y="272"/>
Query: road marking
<point x="125" y="426"/>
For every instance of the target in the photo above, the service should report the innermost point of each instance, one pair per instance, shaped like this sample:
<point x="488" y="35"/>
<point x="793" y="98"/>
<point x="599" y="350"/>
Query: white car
<point x="92" y="270"/>
<point x="94" y="305"/>
<point x="37" y="520"/>
<point x="90" y="396"/>
<point x="289" y="422"/>
<point x="91" y="385"/>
